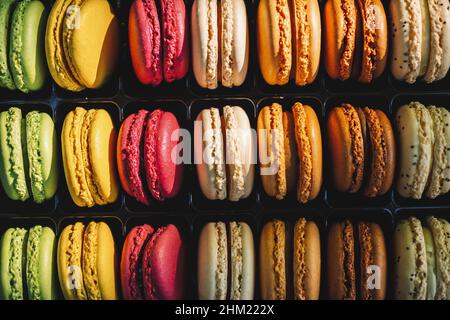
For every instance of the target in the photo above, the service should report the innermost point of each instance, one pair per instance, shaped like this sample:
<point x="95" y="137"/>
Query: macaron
<point x="431" y="263"/>
<point x="82" y="43"/>
<point x="410" y="260"/>
<point x="440" y="232"/>
<point x="27" y="264"/>
<point x="341" y="272"/>
<point x="152" y="264"/>
<point x="223" y="150"/>
<point x="341" y="21"/>
<point x="274" y="41"/>
<point x="439" y="179"/>
<point x="290" y="260"/>
<point x="88" y="140"/>
<point x="86" y="262"/>
<point x="26" y="46"/>
<point x="220" y="43"/>
<point x="346" y="147"/>
<point x="6" y="11"/>
<point x="420" y="40"/>
<point x="158" y="40"/>
<point x="309" y="147"/>
<point x="306" y="40"/>
<point x="374" y="42"/>
<point x="149" y="136"/>
<point x="415" y="137"/>
<point x="276" y="153"/>
<point x="226" y="262"/>
<point x="29" y="163"/>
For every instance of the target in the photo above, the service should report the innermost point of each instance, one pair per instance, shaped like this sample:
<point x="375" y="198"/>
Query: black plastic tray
<point x="123" y="95"/>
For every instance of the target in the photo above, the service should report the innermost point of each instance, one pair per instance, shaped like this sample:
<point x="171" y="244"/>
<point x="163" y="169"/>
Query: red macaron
<point x="144" y="156"/>
<point x="152" y="264"/>
<point x="158" y="42"/>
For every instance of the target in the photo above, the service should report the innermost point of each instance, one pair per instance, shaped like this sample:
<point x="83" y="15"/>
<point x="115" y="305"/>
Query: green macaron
<point x="26" y="51"/>
<point x="28" y="155"/>
<point x="12" y="263"/>
<point x="40" y="271"/>
<point x="6" y="9"/>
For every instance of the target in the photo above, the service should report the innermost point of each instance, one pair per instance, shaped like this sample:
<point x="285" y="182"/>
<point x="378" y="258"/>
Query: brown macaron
<point x="347" y="148"/>
<point x="341" y="262"/>
<point x="373" y="32"/>
<point x="309" y="147"/>
<point x="340" y="23"/>
<point x="381" y="149"/>
<point x="373" y="261"/>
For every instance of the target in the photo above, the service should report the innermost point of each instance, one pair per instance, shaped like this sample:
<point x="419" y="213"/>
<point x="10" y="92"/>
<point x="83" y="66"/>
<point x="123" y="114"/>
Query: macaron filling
<point x="227" y="42"/>
<point x="302" y="41"/>
<point x="300" y="257"/>
<point x="420" y="279"/>
<point x="212" y="51"/>
<point x="18" y="236"/>
<point x="366" y="256"/>
<point x="151" y="15"/>
<point x="73" y="261"/>
<point x="236" y="261"/>
<point x="346" y="60"/>
<point x="170" y="42"/>
<point x="150" y="288"/>
<point x="32" y="266"/>
<point x="150" y="155"/>
<point x="369" y="22"/>
<point x="284" y="41"/>
<point x="436" y="39"/>
<point x="90" y="272"/>
<point x="279" y="260"/>
<point x="277" y="160"/>
<point x="414" y="40"/>
<point x="33" y="121"/>
<point x="349" y="260"/>
<point x="6" y="79"/>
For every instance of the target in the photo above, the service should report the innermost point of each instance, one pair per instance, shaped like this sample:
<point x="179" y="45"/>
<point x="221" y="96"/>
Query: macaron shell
<point x="340" y="30"/>
<point x="129" y="265"/>
<point x="410" y="257"/>
<point x="205" y="43"/>
<point x="341" y="262"/>
<point x="129" y="155"/>
<point x="234" y="42"/>
<point x="175" y="35"/>
<point x="12" y="258"/>
<point x="12" y="166"/>
<point x="145" y="42"/>
<point x="40" y="264"/>
<point x="307" y="262"/>
<point x="272" y="261"/>
<point x="56" y="60"/>
<point x="414" y="125"/>
<point x="272" y="157"/>
<point x="212" y="264"/>
<point x="6" y="10"/>
<point x="240" y="148"/>
<point x="69" y="262"/>
<point x="372" y="254"/>
<point x="431" y="264"/>
<point x="242" y="271"/>
<point x="102" y="139"/>
<point x="439" y="180"/>
<point x="209" y="154"/>
<point x="164" y="175"/>
<point x="163" y="265"/>
<point x="274" y="41"/>
<point x="306" y="29"/>
<point x="92" y="46"/>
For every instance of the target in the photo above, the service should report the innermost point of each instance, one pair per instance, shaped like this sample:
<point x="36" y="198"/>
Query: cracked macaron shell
<point x="272" y="261"/>
<point x="40" y="264"/>
<point x="91" y="47"/>
<point x="98" y="262"/>
<point x="341" y="262"/>
<point x="415" y="137"/>
<point x="6" y="10"/>
<point x="340" y="20"/>
<point x="307" y="262"/>
<point x="26" y="55"/>
<point x="12" y="165"/>
<point x="209" y="154"/>
<point x="274" y="41"/>
<point x="347" y="148"/>
<point x="146" y="47"/>
<point x="12" y="262"/>
<point x="410" y="260"/>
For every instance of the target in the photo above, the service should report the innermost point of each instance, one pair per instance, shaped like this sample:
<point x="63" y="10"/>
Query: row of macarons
<point x="78" y="42"/>
<point x="356" y="264"/>
<point x="151" y="149"/>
